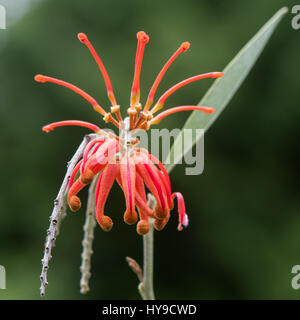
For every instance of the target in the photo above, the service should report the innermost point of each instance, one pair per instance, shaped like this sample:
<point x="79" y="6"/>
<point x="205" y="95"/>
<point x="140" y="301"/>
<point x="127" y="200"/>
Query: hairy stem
<point x="87" y="243"/>
<point x="59" y="204"/>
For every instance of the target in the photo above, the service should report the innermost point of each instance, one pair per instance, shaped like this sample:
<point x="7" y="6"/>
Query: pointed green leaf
<point x="224" y="88"/>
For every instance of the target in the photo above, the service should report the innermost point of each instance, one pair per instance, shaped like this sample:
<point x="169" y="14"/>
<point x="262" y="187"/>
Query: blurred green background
<point x="244" y="210"/>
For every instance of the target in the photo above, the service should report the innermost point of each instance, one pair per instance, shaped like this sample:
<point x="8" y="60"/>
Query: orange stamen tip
<point x="142" y="227"/>
<point x="217" y="74"/>
<point x="105" y="223"/>
<point x="74" y="203"/>
<point x="82" y="37"/>
<point x="40" y="78"/>
<point x="138" y="107"/>
<point x="144" y="115"/>
<point x="184" y="46"/>
<point x="149" y="116"/>
<point x="131" y="112"/>
<point x="142" y="36"/>
<point x="130" y="217"/>
<point x="107" y="117"/>
<point x="87" y="177"/>
<point x="115" y="109"/>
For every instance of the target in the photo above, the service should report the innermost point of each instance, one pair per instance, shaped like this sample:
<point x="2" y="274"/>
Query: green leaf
<point x="224" y="88"/>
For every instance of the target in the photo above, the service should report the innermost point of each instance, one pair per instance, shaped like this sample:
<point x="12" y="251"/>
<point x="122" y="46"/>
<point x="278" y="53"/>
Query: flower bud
<point x="74" y="203"/>
<point x="105" y="223"/>
<point x="142" y="227"/>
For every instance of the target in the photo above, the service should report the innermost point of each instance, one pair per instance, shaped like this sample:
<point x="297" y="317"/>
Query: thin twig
<point x="59" y="203"/>
<point x="87" y="243"/>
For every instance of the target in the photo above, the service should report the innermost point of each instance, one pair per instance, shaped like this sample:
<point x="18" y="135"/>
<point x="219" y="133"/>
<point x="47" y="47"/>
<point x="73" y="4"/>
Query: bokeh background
<point x="244" y="233"/>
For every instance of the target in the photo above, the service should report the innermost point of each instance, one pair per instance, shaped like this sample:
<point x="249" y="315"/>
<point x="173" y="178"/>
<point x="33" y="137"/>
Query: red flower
<point x="109" y="157"/>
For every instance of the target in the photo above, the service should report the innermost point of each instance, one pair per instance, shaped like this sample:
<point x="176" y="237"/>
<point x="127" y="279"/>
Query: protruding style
<point x="184" y="47"/>
<point x="110" y="93"/>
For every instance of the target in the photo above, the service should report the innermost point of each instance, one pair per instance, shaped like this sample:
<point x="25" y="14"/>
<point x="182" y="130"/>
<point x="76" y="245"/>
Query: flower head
<point x="109" y="158"/>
